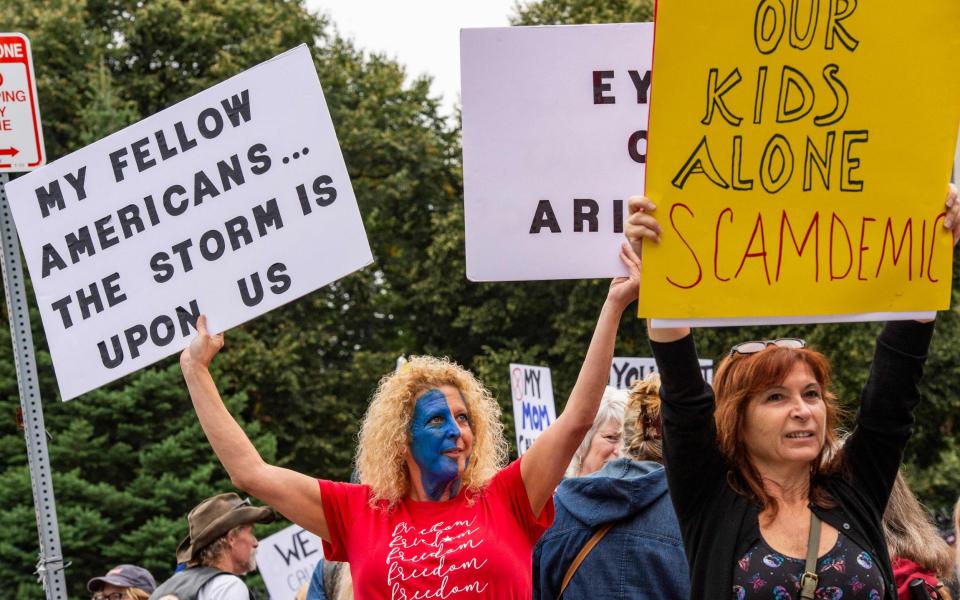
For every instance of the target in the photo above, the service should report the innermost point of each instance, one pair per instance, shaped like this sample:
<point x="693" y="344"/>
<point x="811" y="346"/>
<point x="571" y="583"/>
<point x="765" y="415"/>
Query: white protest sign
<point x="554" y="143"/>
<point x="231" y="203"/>
<point x="533" y="407"/>
<point x="286" y="560"/>
<point x="627" y="370"/>
<point x="21" y="134"/>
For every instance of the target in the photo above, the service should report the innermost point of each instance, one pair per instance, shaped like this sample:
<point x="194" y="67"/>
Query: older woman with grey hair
<point x="615" y="535"/>
<point x="604" y="440"/>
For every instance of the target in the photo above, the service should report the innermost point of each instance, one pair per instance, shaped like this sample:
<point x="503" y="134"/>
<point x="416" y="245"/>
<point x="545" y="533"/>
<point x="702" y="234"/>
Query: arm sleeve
<point x="695" y="467"/>
<point x="884" y="423"/>
<point x="508" y="484"/>
<point x="340" y="503"/>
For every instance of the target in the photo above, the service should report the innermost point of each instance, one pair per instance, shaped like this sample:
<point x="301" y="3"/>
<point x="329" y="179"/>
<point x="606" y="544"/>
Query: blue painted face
<point x="434" y="436"/>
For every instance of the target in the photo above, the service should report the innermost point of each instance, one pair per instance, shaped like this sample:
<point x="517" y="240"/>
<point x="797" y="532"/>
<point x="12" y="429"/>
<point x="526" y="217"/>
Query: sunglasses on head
<point x="757" y="346"/>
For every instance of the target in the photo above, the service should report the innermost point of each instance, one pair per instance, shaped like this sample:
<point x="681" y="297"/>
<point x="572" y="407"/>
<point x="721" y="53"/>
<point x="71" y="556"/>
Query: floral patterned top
<point x="846" y="572"/>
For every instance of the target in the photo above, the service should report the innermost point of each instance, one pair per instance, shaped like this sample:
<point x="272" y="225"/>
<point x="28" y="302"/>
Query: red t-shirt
<point x="442" y="550"/>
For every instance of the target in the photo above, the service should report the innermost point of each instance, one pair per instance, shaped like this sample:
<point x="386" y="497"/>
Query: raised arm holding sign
<point x="769" y="480"/>
<point x="430" y="463"/>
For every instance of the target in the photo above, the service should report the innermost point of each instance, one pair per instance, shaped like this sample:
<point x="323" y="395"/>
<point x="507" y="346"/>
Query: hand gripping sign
<point x="21" y="135"/>
<point x="231" y="203"/>
<point x="799" y="155"/>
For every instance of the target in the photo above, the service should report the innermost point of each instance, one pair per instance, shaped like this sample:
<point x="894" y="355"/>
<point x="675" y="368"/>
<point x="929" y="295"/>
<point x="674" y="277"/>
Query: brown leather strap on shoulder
<point x="809" y="580"/>
<point x="593" y="541"/>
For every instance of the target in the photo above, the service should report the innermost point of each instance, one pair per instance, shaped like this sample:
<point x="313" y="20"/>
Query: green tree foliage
<point x="129" y="460"/>
<point x="103" y="112"/>
<point x="556" y="12"/>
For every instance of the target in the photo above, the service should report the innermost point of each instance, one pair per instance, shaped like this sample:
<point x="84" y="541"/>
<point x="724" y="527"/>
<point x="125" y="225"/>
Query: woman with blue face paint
<point x="436" y="513"/>
<point x="435" y="445"/>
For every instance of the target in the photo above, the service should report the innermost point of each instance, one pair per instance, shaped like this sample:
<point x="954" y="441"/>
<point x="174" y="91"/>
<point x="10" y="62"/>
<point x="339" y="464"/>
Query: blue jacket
<point x="316" y="590"/>
<point x="640" y="558"/>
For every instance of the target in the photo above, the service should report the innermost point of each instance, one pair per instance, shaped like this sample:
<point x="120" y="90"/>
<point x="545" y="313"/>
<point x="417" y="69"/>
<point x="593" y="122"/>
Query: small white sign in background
<point x="533" y="406"/>
<point x="21" y="133"/>
<point x="286" y="560"/>
<point x="627" y="370"/>
<point x="554" y="143"/>
<point x="231" y="203"/>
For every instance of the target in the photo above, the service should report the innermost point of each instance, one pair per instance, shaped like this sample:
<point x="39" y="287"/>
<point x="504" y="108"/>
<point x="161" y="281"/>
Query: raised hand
<point x="202" y="349"/>
<point x="952" y="213"/>
<point x="641" y="225"/>
<point x="624" y="290"/>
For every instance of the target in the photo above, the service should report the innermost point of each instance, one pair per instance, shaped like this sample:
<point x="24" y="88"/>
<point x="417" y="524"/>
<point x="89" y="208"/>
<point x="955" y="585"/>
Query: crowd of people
<point x="744" y="488"/>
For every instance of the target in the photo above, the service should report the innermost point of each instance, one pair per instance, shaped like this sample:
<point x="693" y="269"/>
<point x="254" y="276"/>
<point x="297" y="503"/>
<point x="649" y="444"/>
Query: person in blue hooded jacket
<point x="641" y="557"/>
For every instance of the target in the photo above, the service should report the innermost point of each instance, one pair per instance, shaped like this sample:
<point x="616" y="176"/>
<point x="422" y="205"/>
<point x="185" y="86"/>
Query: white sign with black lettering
<point x="286" y="560"/>
<point x="554" y="143"/>
<point x="533" y="407"/>
<point x="627" y="370"/>
<point x="230" y="203"/>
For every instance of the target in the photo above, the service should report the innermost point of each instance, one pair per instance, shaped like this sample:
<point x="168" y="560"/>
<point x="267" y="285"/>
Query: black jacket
<point x="718" y="525"/>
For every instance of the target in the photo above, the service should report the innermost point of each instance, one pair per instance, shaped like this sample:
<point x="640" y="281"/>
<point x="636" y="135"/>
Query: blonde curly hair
<point x="385" y="431"/>
<point x="642" y="439"/>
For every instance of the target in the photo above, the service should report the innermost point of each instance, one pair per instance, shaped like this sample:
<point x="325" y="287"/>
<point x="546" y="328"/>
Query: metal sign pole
<point x="50" y="565"/>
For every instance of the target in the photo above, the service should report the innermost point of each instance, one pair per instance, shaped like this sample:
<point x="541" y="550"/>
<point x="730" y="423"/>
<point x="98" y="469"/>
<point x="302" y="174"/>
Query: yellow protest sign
<point x="799" y="154"/>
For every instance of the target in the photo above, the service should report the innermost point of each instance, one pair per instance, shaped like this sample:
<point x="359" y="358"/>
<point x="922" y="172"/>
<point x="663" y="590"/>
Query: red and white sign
<point x="21" y="136"/>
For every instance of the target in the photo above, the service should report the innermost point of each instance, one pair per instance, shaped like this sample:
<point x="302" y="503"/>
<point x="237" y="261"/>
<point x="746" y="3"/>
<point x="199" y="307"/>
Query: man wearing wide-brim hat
<point x="219" y="547"/>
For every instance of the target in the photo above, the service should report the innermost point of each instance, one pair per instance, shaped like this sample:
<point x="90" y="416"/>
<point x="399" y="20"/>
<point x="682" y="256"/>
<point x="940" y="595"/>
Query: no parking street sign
<point x="21" y="136"/>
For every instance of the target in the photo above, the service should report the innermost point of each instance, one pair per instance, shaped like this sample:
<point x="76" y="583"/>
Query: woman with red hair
<point x="765" y="509"/>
